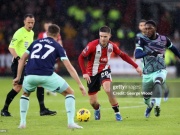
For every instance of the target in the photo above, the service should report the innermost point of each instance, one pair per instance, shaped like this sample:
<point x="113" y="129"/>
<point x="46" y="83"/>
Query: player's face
<point x="142" y="27"/>
<point x="150" y="30"/>
<point x="104" y="38"/>
<point x="29" y="23"/>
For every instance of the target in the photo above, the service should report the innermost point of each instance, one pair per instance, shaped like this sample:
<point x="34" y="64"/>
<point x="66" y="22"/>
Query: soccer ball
<point x="83" y="115"/>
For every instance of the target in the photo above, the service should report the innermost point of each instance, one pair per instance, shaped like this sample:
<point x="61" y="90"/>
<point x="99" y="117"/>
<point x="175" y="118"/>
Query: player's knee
<point x="26" y="94"/>
<point x="70" y="92"/>
<point x="108" y="91"/>
<point x="158" y="80"/>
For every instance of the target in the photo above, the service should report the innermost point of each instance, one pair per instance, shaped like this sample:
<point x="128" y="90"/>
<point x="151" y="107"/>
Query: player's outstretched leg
<point x="70" y="109"/>
<point x="150" y="105"/>
<point x="112" y="99"/>
<point x="24" y="105"/>
<point x="157" y="93"/>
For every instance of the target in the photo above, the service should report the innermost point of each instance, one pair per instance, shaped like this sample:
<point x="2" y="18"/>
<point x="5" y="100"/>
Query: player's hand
<point x="87" y="78"/>
<point x="16" y="81"/>
<point x="139" y="71"/>
<point x="83" y="90"/>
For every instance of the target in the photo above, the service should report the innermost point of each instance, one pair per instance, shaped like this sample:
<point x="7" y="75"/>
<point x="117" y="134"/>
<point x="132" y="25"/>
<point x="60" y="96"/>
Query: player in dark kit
<point x="21" y="40"/>
<point x="142" y="34"/>
<point x="152" y="51"/>
<point x="98" y="70"/>
<point x="42" y="55"/>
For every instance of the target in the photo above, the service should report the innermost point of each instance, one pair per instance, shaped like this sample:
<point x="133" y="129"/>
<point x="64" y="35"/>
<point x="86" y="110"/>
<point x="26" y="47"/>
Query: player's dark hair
<point x="142" y="20"/>
<point x="151" y="22"/>
<point x="53" y="29"/>
<point x="28" y="15"/>
<point x="105" y="29"/>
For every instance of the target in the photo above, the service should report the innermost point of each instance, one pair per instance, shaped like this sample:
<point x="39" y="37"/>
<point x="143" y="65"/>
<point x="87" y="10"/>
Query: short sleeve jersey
<point x="21" y="40"/>
<point x="42" y="56"/>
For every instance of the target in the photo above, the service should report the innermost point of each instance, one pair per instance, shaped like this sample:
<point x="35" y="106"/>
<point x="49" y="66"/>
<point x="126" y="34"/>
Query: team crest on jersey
<point x="86" y="49"/>
<point x="26" y="44"/>
<point x="109" y="50"/>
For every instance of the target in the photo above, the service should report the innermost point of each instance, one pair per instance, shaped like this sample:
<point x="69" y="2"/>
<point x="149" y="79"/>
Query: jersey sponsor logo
<point x="104" y="60"/>
<point x="86" y="49"/>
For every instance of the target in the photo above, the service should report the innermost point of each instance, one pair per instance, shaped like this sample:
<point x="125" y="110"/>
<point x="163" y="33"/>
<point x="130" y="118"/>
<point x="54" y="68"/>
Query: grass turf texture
<point x="132" y="111"/>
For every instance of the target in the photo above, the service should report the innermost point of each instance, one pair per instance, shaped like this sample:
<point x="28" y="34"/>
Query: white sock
<point x="158" y="101"/>
<point x="24" y="105"/>
<point x="70" y="108"/>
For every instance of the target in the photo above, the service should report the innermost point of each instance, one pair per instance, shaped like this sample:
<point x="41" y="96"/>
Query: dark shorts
<point x="14" y="68"/>
<point x="97" y="80"/>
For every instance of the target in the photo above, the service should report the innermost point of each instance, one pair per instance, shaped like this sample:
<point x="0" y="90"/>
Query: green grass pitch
<point x="132" y="111"/>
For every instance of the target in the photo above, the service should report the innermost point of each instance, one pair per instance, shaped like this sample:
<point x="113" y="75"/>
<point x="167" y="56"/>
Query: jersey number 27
<point x="38" y="48"/>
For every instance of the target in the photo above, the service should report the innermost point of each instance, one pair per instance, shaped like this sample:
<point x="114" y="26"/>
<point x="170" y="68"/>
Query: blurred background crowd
<point x="80" y="21"/>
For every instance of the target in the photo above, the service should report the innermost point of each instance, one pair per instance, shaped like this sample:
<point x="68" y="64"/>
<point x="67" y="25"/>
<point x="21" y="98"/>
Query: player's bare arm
<point x="82" y="66"/>
<point x="74" y="75"/>
<point x="139" y="71"/>
<point x="13" y="52"/>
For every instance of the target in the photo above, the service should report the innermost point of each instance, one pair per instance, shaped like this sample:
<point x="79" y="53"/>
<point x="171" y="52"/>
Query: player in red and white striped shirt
<point x="97" y="71"/>
<point x="44" y="33"/>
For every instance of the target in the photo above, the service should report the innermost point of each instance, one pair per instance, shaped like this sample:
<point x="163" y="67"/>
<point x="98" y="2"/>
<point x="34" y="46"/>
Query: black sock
<point x="9" y="98"/>
<point x="115" y="108"/>
<point x="40" y="97"/>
